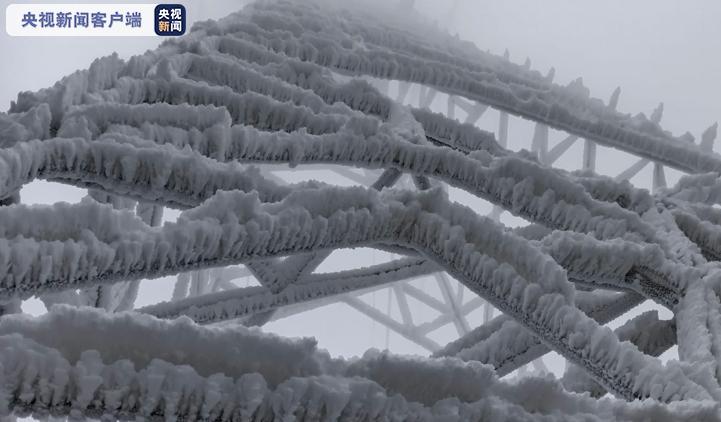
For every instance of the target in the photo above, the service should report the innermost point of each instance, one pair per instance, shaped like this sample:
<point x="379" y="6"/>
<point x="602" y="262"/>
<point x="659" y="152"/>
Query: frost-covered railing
<point x="183" y="126"/>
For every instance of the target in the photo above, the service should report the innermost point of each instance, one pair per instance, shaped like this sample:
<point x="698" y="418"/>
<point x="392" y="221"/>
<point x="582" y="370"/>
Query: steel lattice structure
<point x="201" y="125"/>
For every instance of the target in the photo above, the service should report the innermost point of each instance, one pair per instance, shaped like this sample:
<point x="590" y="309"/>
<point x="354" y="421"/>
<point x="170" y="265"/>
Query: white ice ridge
<point x="185" y="126"/>
<point x="239" y="374"/>
<point x="387" y="53"/>
<point x="98" y="245"/>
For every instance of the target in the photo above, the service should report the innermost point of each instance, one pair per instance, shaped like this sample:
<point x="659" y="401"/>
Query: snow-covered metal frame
<point x="276" y="84"/>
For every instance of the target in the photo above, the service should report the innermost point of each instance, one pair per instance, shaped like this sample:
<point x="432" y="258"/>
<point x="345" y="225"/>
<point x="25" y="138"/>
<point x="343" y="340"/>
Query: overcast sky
<point x="656" y="50"/>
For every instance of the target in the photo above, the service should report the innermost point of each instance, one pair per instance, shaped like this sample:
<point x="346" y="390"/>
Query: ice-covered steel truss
<point x="203" y="124"/>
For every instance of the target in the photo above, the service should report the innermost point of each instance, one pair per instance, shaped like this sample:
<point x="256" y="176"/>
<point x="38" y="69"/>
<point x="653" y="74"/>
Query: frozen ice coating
<point x="197" y="125"/>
